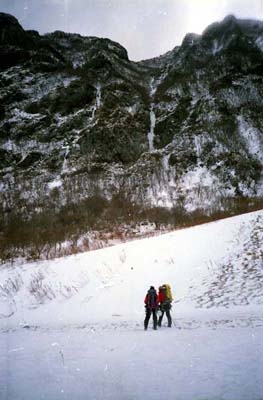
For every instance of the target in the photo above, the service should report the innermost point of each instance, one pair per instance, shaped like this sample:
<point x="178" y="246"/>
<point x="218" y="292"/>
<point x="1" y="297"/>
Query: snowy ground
<point x="72" y="328"/>
<point x="201" y="363"/>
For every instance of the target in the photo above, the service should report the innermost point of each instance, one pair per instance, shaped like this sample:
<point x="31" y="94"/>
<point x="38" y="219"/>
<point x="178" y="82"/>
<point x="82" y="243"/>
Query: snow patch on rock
<point x="253" y="138"/>
<point x="259" y="42"/>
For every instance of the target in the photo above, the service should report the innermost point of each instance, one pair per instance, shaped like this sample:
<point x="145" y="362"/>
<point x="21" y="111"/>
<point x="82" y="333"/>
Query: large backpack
<point x="152" y="299"/>
<point x="169" y="292"/>
<point x="167" y="295"/>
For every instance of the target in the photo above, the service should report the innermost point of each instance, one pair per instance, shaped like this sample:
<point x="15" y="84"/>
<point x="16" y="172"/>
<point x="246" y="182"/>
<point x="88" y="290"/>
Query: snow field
<point x="188" y="364"/>
<point x="72" y="328"/>
<point x="95" y="286"/>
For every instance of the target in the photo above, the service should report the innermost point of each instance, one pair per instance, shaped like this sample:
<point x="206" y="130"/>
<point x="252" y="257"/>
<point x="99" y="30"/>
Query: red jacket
<point x="146" y="301"/>
<point x="163" y="300"/>
<point x="160" y="297"/>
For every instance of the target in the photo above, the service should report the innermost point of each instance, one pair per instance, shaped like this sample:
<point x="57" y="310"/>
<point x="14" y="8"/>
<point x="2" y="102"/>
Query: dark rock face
<point x="18" y="46"/>
<point x="12" y="33"/>
<point x="79" y="119"/>
<point x="15" y="43"/>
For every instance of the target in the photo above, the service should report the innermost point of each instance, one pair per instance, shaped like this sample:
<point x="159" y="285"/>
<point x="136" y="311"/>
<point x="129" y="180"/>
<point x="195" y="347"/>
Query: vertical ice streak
<point x="65" y="161"/>
<point x="98" y="96"/>
<point x="152" y="117"/>
<point x="97" y="101"/>
<point x="152" y="126"/>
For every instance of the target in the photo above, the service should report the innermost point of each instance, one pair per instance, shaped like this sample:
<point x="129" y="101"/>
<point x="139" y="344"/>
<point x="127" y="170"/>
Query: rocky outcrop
<point x="79" y="119"/>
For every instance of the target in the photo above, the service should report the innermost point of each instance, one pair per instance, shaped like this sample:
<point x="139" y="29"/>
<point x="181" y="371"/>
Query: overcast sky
<point x="146" y="28"/>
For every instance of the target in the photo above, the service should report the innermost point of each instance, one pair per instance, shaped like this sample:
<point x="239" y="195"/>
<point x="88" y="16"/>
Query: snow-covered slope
<point x="217" y="265"/>
<point x="75" y="325"/>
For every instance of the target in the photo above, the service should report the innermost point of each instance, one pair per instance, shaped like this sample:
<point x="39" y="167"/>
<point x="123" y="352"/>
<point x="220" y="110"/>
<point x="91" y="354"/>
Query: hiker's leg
<point x="154" y="319"/>
<point x="161" y="318"/>
<point x="168" y="315"/>
<point x="147" y="317"/>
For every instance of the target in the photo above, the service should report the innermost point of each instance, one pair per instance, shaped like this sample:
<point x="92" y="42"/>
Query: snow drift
<point x="217" y="265"/>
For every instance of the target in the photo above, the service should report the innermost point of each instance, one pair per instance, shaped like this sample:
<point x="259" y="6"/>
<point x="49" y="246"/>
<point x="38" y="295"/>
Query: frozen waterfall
<point x="152" y="126"/>
<point x="97" y="101"/>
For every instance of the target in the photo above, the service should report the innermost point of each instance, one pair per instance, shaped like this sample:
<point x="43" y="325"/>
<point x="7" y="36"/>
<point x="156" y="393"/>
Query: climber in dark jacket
<point x="151" y="305"/>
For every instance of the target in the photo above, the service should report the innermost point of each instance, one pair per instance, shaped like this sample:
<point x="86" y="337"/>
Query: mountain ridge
<point x="86" y="131"/>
